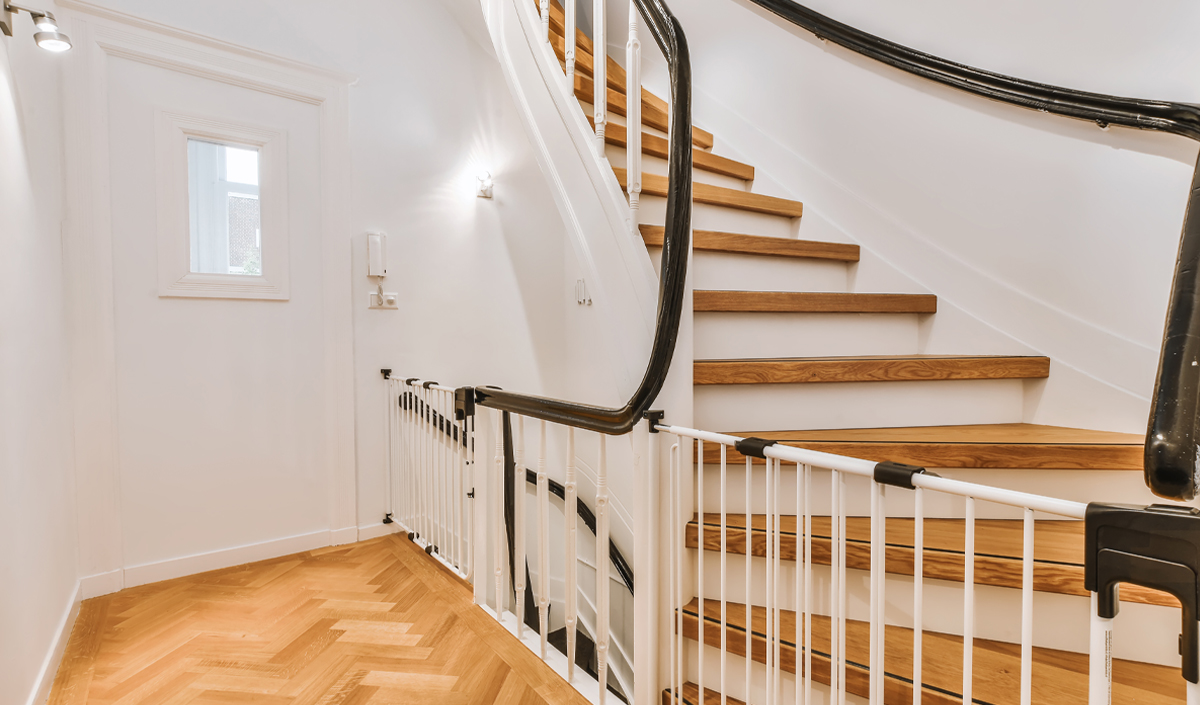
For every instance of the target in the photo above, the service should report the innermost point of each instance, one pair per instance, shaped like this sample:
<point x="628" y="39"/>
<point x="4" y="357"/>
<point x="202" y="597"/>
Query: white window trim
<point x="175" y="278"/>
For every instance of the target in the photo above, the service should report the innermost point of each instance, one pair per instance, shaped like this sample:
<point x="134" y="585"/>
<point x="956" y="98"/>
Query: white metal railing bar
<point x="808" y="583"/>
<point x="497" y="493"/>
<point x="633" y="118"/>
<point x="572" y="565"/>
<point x="749" y="552"/>
<point x="918" y="590"/>
<point x="968" y="640"/>
<point x="602" y="559"/>
<point x="518" y="564"/>
<point x="701" y="607"/>
<point x="1027" y="611"/>
<point x="724" y="576"/>
<point x="543" y="494"/>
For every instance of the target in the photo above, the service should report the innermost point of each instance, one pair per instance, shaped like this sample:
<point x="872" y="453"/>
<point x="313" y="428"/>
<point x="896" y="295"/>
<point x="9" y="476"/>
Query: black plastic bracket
<point x="410" y="380"/>
<point x="428" y="383"/>
<point x="655" y="418"/>
<point x="464" y="403"/>
<point x="1156" y="547"/>
<point x="753" y="447"/>
<point x="897" y="474"/>
<point x="387" y="374"/>
<point x="387" y="518"/>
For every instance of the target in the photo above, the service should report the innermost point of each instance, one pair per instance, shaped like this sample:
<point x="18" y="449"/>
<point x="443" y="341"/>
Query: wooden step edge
<point x="691" y="696"/>
<point x="655" y="185"/>
<point x="1063" y="679"/>
<point x="660" y="147"/>
<point x="652" y="115"/>
<point x="718" y="301"/>
<point x="992" y="569"/>
<point x="869" y="369"/>
<point x="738" y="244"/>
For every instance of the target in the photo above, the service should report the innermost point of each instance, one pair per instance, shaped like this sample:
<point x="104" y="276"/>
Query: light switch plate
<point x="390" y="300"/>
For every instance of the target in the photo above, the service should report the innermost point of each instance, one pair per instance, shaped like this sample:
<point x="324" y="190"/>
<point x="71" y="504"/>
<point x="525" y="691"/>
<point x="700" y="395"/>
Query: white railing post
<point x="1100" y="656"/>
<point x="545" y="11"/>
<point x="602" y="563"/>
<point x="569" y="41"/>
<point x="519" y="523"/>
<point x="969" y="604"/>
<point x="498" y="515"/>
<point x="600" y="71"/>
<point x="543" y="495"/>
<point x="918" y="589"/>
<point x="1027" y="557"/>
<point x="633" y="116"/>
<point x="647" y="649"/>
<point x="570" y="514"/>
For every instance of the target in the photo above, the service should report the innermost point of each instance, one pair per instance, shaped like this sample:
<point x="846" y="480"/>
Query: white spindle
<point x="633" y="117"/>
<point x="724" y="489"/>
<point x="700" y="532"/>
<point x="389" y="416"/>
<point x="426" y="456"/>
<point x="676" y="570"/>
<point x="543" y="493"/>
<point x="969" y="603"/>
<point x="519" y="523"/>
<point x="545" y="11"/>
<point x="778" y="617"/>
<point x="600" y="70"/>
<point x="837" y="588"/>
<point x="748" y="563"/>
<point x="459" y="503"/>
<point x="1100" y="656"/>
<point x="807" y="528"/>
<point x="498" y="532"/>
<point x="439" y="472"/>
<point x="878" y="583"/>
<point x="1027" y="557"/>
<point x="569" y="39"/>
<point x="570" y="509"/>
<point x="768" y="588"/>
<point x="918" y="589"/>
<point x="602" y="563"/>
<point x="842" y="595"/>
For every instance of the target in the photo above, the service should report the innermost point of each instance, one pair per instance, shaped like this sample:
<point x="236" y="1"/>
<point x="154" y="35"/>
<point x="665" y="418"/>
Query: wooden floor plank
<point x="377" y="621"/>
<point x="905" y="368"/>
<point x="655" y="185"/>
<point x="735" y="243"/>
<point x="1058" y="550"/>
<point x="713" y="301"/>
<point x="1059" y="677"/>
<point x="971" y="446"/>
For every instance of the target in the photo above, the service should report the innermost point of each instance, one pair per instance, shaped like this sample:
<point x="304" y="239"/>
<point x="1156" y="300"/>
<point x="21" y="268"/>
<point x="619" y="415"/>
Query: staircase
<point x="786" y="353"/>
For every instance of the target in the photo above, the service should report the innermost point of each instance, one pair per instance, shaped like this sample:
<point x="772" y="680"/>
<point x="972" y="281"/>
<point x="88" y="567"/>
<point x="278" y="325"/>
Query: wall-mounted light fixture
<point x="485" y="184"/>
<point x="47" y="35"/>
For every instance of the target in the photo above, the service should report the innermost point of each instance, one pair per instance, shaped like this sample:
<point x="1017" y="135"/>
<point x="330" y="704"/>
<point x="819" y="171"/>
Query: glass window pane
<point x="226" y="222"/>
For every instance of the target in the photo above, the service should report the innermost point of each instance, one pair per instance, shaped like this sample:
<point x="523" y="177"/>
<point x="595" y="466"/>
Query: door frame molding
<point x="101" y="33"/>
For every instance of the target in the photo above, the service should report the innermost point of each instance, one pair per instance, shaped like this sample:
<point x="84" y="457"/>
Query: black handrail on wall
<point x="1172" y="455"/>
<point x="671" y="293"/>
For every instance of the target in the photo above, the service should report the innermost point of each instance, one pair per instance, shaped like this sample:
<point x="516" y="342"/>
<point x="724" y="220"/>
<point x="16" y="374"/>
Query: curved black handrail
<point x="1172" y="454"/>
<point x="672" y="282"/>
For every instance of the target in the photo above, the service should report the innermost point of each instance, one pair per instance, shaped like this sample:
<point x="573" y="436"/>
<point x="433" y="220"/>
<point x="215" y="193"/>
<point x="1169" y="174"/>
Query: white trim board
<point x="99" y="34"/>
<point x="45" y="678"/>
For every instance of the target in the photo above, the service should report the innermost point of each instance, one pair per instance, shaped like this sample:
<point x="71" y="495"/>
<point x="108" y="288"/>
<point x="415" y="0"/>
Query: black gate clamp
<point x="1156" y="547"/>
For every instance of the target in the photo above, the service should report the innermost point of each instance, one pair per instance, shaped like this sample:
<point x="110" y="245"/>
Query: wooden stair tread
<point x="880" y="368"/>
<point x="810" y="302"/>
<point x="1059" y="677"/>
<point x="735" y="243"/>
<point x="654" y="112"/>
<point x="657" y="146"/>
<point x="1058" y="549"/>
<point x="655" y="185"/>
<point x="691" y="696"/>
<point x="1015" y="445"/>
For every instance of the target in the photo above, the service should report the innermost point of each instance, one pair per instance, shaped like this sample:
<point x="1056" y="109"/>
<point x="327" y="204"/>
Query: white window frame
<point x="175" y="275"/>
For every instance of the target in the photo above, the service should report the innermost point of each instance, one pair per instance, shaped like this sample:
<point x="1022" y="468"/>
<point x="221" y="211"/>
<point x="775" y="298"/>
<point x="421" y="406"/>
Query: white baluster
<point x="600" y="71"/>
<point x="459" y="439"/>
<point x="724" y="489"/>
<point x="969" y="604"/>
<point x="543" y="490"/>
<point x="1100" y="656"/>
<point x="878" y="576"/>
<point x="836" y="587"/>
<point x="918" y="589"/>
<point x="519" y="523"/>
<point x="633" y="117"/>
<point x="602" y="563"/>
<point x="747" y="564"/>
<point x="768" y="588"/>
<point x="389" y="416"/>
<point x="498" y="532"/>
<point x="570" y="41"/>
<point x="546" y="19"/>
<point x="807" y="528"/>
<point x="700" y="532"/>
<point x="675" y="568"/>
<point x="1027" y="557"/>
<point x="570" y="509"/>
<point x="843" y="593"/>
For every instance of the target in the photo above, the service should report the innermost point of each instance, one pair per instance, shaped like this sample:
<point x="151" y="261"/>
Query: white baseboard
<point x="375" y="530"/>
<point x="338" y="537"/>
<point x="45" y="679"/>
<point x="102" y="584"/>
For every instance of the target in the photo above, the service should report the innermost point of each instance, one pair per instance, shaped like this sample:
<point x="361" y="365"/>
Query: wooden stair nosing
<point x="691" y="696"/>
<point x="657" y="146"/>
<point x="738" y="244"/>
<point x="717" y="301"/>
<point x="1027" y="446"/>
<point x="915" y="368"/>
<point x="655" y="185"/>
<point x="1058" y="552"/>
<point x="652" y="115"/>
<point x="1060" y="677"/>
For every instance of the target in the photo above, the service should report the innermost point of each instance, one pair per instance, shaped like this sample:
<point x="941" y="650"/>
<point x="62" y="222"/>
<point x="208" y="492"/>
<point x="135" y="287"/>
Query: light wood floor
<point x="372" y="622"/>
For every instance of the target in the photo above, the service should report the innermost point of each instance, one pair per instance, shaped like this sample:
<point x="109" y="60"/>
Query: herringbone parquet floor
<point x="369" y="623"/>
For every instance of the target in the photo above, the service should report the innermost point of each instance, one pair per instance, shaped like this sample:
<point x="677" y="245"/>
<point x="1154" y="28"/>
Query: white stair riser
<point x="719" y="336"/>
<point x="783" y="407"/>
<point x="617" y="156"/>
<point x="736" y="272"/>
<point x="1141" y="632"/>
<point x="722" y="219"/>
<point x="735" y="679"/>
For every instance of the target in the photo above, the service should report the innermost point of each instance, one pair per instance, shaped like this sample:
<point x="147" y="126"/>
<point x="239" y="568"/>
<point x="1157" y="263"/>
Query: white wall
<point x="37" y="502"/>
<point x="1056" y="233"/>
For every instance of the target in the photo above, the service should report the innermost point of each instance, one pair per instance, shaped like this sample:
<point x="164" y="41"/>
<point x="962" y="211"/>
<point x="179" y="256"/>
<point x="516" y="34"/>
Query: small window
<point x="223" y="196"/>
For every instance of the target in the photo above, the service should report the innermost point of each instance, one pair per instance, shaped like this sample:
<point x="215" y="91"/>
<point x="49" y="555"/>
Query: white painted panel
<point x="747" y="335"/>
<point x="720" y="270"/>
<point x="221" y="423"/>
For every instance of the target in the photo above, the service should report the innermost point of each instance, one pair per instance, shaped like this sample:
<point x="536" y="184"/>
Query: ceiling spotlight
<point x="47" y="37"/>
<point x="485" y="184"/>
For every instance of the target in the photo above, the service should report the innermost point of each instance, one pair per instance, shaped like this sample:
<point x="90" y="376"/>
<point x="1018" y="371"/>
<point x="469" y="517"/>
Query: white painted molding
<point x="376" y="530"/>
<point x="101" y="33"/>
<point x="45" y="678"/>
<point x="175" y="275"/>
